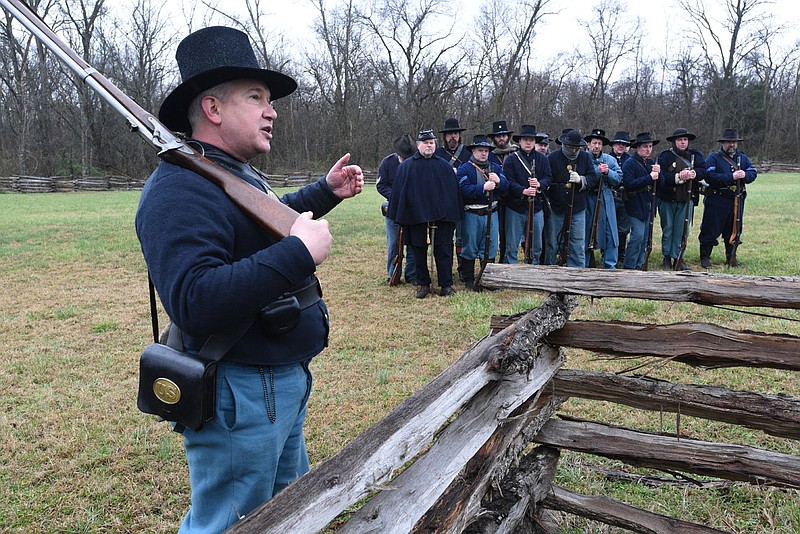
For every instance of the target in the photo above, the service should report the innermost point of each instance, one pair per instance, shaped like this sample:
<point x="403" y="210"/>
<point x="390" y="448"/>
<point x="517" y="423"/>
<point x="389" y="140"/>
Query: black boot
<point x="623" y="241"/>
<point x="666" y="264"/>
<point x="705" y="256"/>
<point x="468" y="270"/>
<point x="728" y="253"/>
<point x="423" y="291"/>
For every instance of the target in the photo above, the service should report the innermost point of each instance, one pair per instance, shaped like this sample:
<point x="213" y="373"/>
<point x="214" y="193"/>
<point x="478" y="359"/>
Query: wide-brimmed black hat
<point x="526" y="130"/>
<point x="597" y="133"/>
<point x="499" y="128"/>
<point x="681" y="132"/>
<point x="644" y="137"/>
<point x="424" y="135"/>
<point x="404" y="146"/>
<point x="571" y="138"/>
<point x="209" y="57"/>
<point x="730" y="134"/>
<point x="451" y="125"/>
<point x="480" y="140"/>
<point x="621" y="137"/>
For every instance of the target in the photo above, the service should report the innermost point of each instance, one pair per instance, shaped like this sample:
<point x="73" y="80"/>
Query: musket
<point x="562" y="260"/>
<point x="397" y="261"/>
<point x="736" y="231"/>
<point x="271" y="214"/>
<point x="649" y="247"/>
<point x="596" y="218"/>
<point x="679" y="266"/>
<point x="529" y="228"/>
<point x="488" y="242"/>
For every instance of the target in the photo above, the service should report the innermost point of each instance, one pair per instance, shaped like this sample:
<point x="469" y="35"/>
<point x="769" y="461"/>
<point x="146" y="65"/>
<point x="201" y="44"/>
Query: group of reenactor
<point x="504" y="196"/>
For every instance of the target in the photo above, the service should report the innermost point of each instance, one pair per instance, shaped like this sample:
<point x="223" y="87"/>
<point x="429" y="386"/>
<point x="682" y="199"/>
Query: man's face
<point x="452" y="139"/>
<point x="571" y="148"/>
<point x="527" y="143"/>
<point x="501" y="140"/>
<point x="681" y="143"/>
<point x="595" y="146"/>
<point x="480" y="153"/>
<point x="542" y="147"/>
<point x="619" y="148"/>
<point x="644" y="150"/>
<point x="245" y="119"/>
<point x="427" y="147"/>
<point x="730" y="147"/>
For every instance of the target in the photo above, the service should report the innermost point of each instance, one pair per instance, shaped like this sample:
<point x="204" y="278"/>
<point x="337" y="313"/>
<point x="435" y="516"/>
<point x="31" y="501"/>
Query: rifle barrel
<point x="274" y="216"/>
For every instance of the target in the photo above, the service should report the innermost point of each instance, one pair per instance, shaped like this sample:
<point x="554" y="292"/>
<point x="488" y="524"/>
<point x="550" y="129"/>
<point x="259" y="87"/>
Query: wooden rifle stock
<point x="649" y="247"/>
<point x="564" y="253"/>
<point x="274" y="216"/>
<point x="487" y="244"/>
<point x="736" y="231"/>
<point x="394" y="280"/>
<point x="679" y="261"/>
<point x="596" y="218"/>
<point x="529" y="226"/>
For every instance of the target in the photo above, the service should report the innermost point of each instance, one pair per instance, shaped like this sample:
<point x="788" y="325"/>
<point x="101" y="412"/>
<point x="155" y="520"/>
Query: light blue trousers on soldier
<point x="637" y="246"/>
<point x="516" y="223"/>
<point x="240" y="459"/>
<point x="576" y="253"/>
<point x="673" y="217"/>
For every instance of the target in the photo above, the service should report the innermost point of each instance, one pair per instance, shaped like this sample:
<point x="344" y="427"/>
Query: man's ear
<point x="211" y="109"/>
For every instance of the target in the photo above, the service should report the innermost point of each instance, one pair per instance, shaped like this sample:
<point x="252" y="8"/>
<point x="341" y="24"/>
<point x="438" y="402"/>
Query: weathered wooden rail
<point x="476" y="449"/>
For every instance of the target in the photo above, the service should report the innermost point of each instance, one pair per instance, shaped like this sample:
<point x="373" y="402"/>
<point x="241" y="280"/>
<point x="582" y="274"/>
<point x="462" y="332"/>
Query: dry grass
<point x="78" y="456"/>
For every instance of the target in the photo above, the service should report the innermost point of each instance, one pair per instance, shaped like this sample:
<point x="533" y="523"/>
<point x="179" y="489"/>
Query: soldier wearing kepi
<point x="682" y="168"/>
<point x="427" y="202"/>
<point x="216" y="269"/>
<point x="601" y="214"/>
<point x="481" y="183"/>
<point x="727" y="171"/>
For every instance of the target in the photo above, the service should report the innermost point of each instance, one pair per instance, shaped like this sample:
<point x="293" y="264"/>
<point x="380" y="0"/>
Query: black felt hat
<point x="644" y="137"/>
<point x="209" y="57"/>
<point x="621" y="137"/>
<point x="681" y="132"/>
<point x="571" y="138"/>
<point x="526" y="130"/>
<point x="404" y="146"/>
<point x="425" y="135"/>
<point x="480" y="140"/>
<point x="451" y="125"/>
<point x="730" y="134"/>
<point x="597" y="133"/>
<point x="499" y="128"/>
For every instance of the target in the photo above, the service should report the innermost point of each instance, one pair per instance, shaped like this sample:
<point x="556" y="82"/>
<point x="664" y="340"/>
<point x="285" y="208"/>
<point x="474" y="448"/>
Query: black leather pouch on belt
<point x="283" y="315"/>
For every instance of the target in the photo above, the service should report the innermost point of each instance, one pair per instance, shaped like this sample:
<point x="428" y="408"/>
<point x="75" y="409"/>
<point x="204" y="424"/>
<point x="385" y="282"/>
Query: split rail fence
<point x="476" y="449"/>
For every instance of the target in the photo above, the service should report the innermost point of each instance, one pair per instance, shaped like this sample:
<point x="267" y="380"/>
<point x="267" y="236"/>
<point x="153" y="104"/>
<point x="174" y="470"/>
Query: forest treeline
<point x="370" y="70"/>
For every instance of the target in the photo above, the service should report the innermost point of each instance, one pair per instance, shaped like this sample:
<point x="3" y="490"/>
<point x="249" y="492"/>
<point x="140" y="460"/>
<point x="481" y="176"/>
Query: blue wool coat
<point x="638" y="186"/>
<point x="425" y="190"/>
<point x="386" y="173"/>
<point x="471" y="184"/>
<point x="670" y="166"/>
<point x="214" y="268"/>
<point x="719" y="172"/>
<point x="518" y="175"/>
<point x="608" y="217"/>
<point x="557" y="192"/>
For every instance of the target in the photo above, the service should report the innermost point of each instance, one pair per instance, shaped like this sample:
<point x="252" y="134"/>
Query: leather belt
<point x="307" y="296"/>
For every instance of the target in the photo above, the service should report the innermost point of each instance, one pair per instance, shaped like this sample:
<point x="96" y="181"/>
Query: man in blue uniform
<point x="403" y="148"/>
<point x="640" y="175"/>
<point x="427" y="202"/>
<point x="453" y="150"/>
<point x="727" y="169"/>
<point x="525" y="169"/>
<point x="605" y="229"/>
<point x="619" y="151"/>
<point x="215" y="269"/>
<point x="571" y="168"/>
<point x="682" y="168"/>
<point x="481" y="183"/>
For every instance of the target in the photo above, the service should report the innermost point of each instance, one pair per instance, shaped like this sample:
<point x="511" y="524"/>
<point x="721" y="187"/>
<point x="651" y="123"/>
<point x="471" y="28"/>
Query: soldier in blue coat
<point x="524" y="169"/>
<point x="482" y="183"/>
<point x="571" y="168"/>
<point x="639" y="176"/>
<point x="426" y="200"/>
<point x="726" y="168"/>
<point x="682" y="168"/>
<point x="609" y="176"/>
<point x="404" y="148"/>
<point x="619" y="151"/>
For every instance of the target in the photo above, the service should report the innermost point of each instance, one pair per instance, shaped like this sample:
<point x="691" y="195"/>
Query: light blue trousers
<point x="672" y="216"/>
<point x="576" y="254"/>
<point x="240" y="459"/>
<point x="637" y="245"/>
<point x="515" y="231"/>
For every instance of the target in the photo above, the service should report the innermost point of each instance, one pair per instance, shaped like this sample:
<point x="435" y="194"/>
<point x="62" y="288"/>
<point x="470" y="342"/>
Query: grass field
<point x="77" y="456"/>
